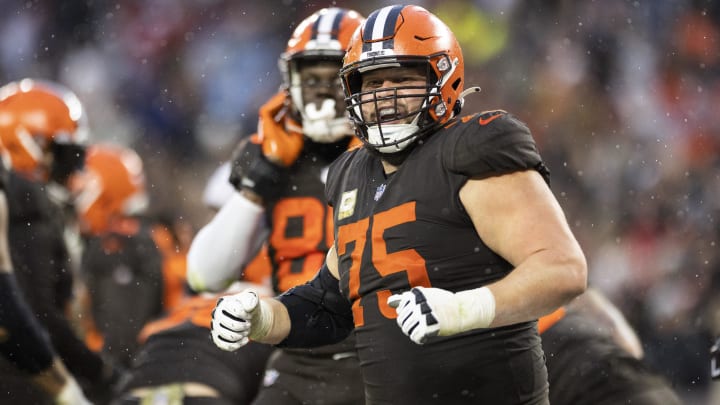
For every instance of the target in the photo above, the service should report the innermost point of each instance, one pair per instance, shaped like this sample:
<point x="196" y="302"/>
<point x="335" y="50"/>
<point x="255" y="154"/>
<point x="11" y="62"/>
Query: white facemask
<point x="322" y="125"/>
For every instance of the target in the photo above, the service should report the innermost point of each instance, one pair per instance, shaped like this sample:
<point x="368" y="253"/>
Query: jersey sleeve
<point x="491" y="144"/>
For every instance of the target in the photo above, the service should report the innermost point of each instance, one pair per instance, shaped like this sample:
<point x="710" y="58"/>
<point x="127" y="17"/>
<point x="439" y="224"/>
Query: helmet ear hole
<point x="456" y="83"/>
<point x="457" y="108"/>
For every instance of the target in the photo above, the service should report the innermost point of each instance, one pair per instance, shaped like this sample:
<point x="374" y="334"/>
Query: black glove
<point x="251" y="170"/>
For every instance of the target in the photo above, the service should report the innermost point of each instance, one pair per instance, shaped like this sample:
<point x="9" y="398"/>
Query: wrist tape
<point x="477" y="308"/>
<point x="262" y="321"/>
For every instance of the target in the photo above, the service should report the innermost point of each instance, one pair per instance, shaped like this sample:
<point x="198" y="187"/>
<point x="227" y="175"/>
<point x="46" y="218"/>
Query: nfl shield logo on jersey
<point x="379" y="192"/>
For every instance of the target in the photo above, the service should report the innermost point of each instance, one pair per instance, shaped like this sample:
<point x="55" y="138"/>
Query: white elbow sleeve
<point x="224" y="245"/>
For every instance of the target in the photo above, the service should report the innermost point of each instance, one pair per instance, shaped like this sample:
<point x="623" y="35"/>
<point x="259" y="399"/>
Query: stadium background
<point x="623" y="98"/>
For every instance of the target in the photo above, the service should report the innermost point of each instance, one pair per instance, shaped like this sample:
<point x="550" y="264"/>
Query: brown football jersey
<point x="410" y="229"/>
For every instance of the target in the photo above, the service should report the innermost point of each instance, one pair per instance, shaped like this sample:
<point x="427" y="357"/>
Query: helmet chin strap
<point x="322" y="125"/>
<point x="391" y="133"/>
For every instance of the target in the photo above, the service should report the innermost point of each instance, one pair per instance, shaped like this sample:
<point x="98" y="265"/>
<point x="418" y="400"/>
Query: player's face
<point x="397" y="91"/>
<point x="320" y="81"/>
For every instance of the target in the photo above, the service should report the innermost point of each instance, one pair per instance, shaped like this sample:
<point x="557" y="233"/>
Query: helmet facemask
<point x="317" y="100"/>
<point x="376" y="120"/>
<point x="43" y="131"/>
<point x="68" y="158"/>
<point x="318" y="43"/>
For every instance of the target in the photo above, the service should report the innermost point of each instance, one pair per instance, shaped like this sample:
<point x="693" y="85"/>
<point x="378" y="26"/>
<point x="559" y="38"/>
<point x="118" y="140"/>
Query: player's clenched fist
<point x="238" y="318"/>
<point x="426" y="312"/>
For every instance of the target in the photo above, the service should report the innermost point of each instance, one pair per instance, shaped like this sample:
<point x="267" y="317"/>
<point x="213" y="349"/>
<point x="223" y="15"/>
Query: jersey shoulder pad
<point x="27" y="200"/>
<point x="336" y="172"/>
<point x="489" y="144"/>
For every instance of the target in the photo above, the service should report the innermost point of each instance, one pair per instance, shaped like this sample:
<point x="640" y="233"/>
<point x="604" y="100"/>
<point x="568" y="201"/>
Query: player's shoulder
<point x="485" y="125"/>
<point x="489" y="143"/>
<point x="345" y="163"/>
<point x="27" y="200"/>
<point x="350" y="157"/>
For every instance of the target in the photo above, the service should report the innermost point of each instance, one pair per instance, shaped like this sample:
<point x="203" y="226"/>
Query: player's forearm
<point x="24" y="341"/>
<point x="538" y="286"/>
<point x="223" y="245"/>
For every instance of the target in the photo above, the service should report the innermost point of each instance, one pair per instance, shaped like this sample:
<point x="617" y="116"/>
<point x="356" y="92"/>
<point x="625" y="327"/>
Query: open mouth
<point x="389" y="115"/>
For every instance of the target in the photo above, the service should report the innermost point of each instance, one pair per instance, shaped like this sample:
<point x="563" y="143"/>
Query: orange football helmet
<point x="111" y="185"/>
<point x="403" y="36"/>
<point x="322" y="37"/>
<point x="42" y="129"/>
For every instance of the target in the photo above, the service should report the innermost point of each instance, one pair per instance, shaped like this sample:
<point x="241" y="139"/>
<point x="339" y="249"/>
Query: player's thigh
<point x="301" y="379"/>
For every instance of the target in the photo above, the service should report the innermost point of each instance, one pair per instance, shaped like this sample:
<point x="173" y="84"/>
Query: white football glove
<point x="426" y="312"/>
<point x="238" y="318"/>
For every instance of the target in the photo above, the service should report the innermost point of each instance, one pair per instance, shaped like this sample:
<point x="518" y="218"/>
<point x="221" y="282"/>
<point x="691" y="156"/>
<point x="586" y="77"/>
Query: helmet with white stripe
<point x="43" y="129"/>
<point x="323" y="37"/>
<point x="403" y="36"/>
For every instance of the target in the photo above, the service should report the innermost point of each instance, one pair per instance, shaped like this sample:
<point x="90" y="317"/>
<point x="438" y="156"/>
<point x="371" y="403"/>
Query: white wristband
<point x="262" y="321"/>
<point x="477" y="308"/>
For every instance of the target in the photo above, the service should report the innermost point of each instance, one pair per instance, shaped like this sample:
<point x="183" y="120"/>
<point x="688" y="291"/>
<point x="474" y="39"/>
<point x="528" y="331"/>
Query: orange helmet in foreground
<point x="112" y="185"/>
<point x="403" y="36"/>
<point x="42" y="129"/>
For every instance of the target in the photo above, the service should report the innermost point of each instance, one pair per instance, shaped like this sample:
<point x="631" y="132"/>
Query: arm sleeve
<point x="218" y="189"/>
<point x="223" y="245"/>
<point x="319" y="313"/>
<point x="26" y="344"/>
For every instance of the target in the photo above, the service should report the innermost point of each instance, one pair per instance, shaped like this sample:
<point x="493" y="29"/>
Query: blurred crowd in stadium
<point x="621" y="96"/>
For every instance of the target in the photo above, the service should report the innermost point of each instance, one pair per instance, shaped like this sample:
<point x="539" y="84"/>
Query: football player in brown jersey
<point x="128" y="256"/>
<point x="23" y="341"/>
<point x="594" y="357"/>
<point x="43" y="133"/>
<point x="449" y="244"/>
<point x="279" y="174"/>
<point x="194" y="371"/>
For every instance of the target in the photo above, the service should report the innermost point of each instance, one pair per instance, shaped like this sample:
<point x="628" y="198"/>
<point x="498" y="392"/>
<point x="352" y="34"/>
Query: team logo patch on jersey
<point x="347" y="204"/>
<point x="379" y="191"/>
